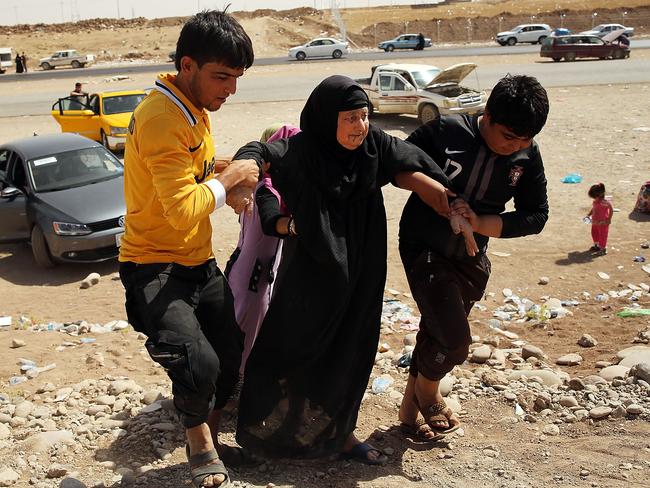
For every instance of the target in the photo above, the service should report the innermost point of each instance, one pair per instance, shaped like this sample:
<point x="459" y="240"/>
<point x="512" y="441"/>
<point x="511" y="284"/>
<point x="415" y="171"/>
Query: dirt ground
<point x="592" y="130"/>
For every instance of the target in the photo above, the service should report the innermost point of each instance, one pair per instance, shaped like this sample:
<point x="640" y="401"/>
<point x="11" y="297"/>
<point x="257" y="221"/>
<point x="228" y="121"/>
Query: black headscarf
<point x="343" y="172"/>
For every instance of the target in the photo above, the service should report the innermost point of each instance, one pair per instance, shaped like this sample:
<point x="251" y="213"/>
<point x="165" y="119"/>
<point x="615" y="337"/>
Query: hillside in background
<point x="275" y="31"/>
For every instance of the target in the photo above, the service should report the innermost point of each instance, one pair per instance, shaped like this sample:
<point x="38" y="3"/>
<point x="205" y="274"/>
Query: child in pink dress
<point x="601" y="216"/>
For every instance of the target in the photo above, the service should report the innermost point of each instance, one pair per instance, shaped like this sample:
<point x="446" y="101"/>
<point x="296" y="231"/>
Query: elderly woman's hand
<point x="462" y="208"/>
<point x="240" y="199"/>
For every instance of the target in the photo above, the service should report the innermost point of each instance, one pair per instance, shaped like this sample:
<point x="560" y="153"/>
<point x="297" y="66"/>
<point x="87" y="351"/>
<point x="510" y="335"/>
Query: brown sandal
<point x="439" y="417"/>
<point x="420" y="431"/>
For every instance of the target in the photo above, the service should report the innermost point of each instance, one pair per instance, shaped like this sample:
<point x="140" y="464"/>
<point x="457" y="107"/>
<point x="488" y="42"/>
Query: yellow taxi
<point x="102" y="117"/>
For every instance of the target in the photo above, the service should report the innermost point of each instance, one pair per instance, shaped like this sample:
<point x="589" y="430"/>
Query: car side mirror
<point x="10" y="192"/>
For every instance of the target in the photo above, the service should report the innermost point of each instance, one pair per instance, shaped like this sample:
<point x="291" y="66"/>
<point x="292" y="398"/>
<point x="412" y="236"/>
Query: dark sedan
<point x="64" y="194"/>
<point x="572" y="47"/>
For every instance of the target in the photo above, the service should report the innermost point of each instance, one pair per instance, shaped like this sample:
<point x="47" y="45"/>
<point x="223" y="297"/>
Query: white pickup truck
<point x="422" y="90"/>
<point x="66" y="57"/>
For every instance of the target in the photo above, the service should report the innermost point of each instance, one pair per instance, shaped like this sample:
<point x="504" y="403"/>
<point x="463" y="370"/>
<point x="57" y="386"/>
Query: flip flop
<point x="235" y="457"/>
<point x="204" y="465"/>
<point x="360" y="453"/>
<point x="420" y="432"/>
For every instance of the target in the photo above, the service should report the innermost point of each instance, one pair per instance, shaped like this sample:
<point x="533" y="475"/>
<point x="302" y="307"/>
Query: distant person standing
<point x="23" y="60"/>
<point x="601" y="217"/>
<point x="420" y="44"/>
<point x="78" y="92"/>
<point x="19" y="64"/>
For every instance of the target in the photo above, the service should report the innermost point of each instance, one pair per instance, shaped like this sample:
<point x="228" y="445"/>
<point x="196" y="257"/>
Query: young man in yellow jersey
<point x="175" y="294"/>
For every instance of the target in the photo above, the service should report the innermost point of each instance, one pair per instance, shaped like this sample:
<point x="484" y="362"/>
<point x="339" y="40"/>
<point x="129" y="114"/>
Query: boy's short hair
<point x="520" y="103"/>
<point x="214" y="36"/>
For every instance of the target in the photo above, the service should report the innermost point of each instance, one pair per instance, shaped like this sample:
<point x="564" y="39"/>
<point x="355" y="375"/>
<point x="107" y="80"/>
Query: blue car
<point x="405" y="41"/>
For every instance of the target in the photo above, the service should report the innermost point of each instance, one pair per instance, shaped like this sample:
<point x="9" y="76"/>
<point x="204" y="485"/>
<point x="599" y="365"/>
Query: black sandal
<point x="360" y="453"/>
<point x="204" y="465"/>
<point x="236" y="457"/>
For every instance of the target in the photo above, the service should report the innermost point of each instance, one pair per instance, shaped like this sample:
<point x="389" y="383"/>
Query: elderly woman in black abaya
<point x="310" y="365"/>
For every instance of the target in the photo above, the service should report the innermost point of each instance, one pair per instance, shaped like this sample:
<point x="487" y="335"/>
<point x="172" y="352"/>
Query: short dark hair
<point x="214" y="36"/>
<point x="520" y="103"/>
<point x="597" y="190"/>
<point x="78" y="83"/>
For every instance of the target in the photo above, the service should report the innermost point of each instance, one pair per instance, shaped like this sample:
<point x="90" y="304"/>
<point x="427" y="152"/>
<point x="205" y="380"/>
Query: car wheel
<point x="46" y="66"/>
<point x="511" y="41"/>
<point x="541" y="39"/>
<point x="618" y="54"/>
<point x="39" y="248"/>
<point x="76" y="64"/>
<point x="300" y="56"/>
<point x="390" y="48"/>
<point x="557" y="59"/>
<point x="427" y="113"/>
<point x="570" y="57"/>
<point x="337" y="54"/>
<point x="104" y="139"/>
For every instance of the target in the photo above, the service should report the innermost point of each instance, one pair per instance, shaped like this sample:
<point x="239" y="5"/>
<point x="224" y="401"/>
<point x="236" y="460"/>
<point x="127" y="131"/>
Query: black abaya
<point x="312" y="359"/>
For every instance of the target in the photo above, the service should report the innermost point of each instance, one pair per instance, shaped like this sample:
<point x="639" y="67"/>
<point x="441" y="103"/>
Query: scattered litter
<point x="5" y="321"/>
<point x="602" y="275"/>
<point x="641" y="129"/>
<point x="15" y="380"/>
<point x="518" y="410"/>
<point x="500" y="254"/>
<point x="87" y="340"/>
<point x="405" y="360"/>
<point x="646" y="268"/>
<point x="572" y="178"/>
<point x="639" y="259"/>
<point x="645" y="245"/>
<point x="633" y="312"/>
<point x="381" y="384"/>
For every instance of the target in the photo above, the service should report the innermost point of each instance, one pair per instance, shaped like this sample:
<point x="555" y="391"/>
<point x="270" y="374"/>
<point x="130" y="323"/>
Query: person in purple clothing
<point x="252" y="268"/>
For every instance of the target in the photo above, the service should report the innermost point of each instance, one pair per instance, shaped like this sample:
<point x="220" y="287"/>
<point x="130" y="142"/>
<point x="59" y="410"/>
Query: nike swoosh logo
<point x="192" y="149"/>
<point x="449" y="151"/>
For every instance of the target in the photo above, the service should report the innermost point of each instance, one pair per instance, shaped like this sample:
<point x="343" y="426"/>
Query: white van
<point x="6" y="59"/>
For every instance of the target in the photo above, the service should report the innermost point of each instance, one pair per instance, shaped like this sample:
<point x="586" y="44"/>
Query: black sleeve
<point x="399" y="156"/>
<point x="268" y="208"/>
<point x="284" y="170"/>
<point x="426" y="138"/>
<point x="531" y="203"/>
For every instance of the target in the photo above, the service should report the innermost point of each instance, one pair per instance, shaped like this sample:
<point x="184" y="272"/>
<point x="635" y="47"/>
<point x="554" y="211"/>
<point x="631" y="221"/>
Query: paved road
<point x="289" y="86"/>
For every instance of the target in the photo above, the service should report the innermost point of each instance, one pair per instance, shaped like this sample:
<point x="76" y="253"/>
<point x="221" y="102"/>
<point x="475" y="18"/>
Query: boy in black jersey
<point x="489" y="159"/>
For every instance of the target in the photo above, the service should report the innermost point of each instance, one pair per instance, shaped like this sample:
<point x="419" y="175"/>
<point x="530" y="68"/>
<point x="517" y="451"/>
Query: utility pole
<point x="62" y="15"/>
<point x="118" y="8"/>
<point x="16" y="13"/>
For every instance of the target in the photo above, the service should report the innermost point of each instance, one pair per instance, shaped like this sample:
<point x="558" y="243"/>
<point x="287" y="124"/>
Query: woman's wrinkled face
<point x="352" y="128"/>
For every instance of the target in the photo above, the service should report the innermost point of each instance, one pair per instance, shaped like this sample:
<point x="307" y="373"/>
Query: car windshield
<point x="121" y="103"/>
<point x="423" y="78"/>
<point x="72" y="169"/>
<point x="599" y="27"/>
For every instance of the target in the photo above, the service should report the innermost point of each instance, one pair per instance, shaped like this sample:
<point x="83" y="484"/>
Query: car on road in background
<point x="102" y="117"/>
<point x="66" y="57"/>
<point x="6" y="59"/>
<point x="532" y="33"/>
<point x="322" y="47"/>
<point x="604" y="29"/>
<point x="576" y="46"/>
<point x="64" y="195"/>
<point x="405" y="41"/>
